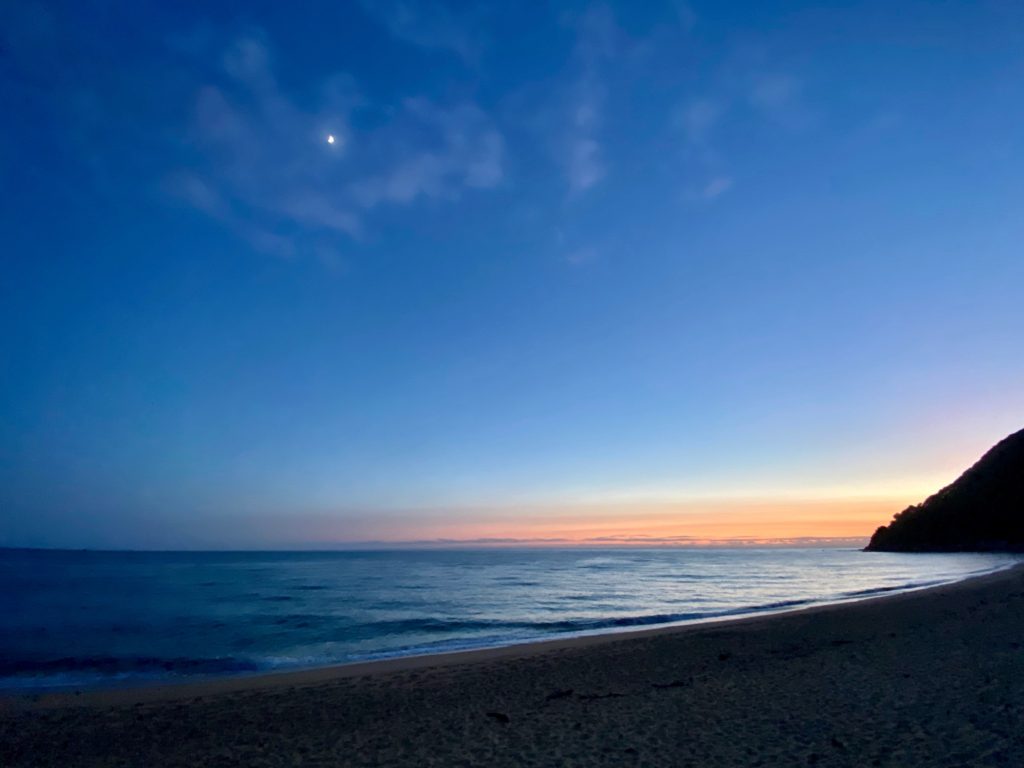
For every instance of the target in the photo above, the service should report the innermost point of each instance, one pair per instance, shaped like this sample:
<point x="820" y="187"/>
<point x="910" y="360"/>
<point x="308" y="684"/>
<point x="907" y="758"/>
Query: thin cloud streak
<point x="425" y="24"/>
<point x="717" y="187"/>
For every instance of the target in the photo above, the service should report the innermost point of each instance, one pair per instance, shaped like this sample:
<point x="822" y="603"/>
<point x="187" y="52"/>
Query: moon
<point x="330" y="138"/>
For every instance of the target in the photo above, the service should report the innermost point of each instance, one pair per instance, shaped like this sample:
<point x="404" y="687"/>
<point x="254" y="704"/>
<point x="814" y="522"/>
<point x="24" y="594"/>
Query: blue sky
<point x="558" y="259"/>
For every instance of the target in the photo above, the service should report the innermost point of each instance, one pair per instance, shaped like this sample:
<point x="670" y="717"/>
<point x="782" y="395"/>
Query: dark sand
<point x="931" y="678"/>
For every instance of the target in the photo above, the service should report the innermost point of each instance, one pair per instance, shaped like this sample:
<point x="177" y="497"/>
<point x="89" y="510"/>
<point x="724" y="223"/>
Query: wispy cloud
<point x="697" y="119"/>
<point x="197" y="193"/>
<point x="595" y="46"/>
<point x="779" y="97"/>
<point x="585" y="165"/>
<point x="468" y="153"/>
<point x="696" y="122"/>
<point x="685" y="15"/>
<point x="716" y="187"/>
<point x="266" y="167"/>
<point x="581" y="256"/>
<point x="426" y="24"/>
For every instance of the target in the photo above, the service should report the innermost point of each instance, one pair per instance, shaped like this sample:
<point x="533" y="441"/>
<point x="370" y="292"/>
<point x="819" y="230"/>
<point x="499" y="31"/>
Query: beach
<point x="933" y="677"/>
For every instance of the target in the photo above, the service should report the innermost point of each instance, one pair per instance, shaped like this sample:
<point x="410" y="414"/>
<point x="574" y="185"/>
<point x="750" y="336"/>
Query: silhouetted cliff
<point x="983" y="511"/>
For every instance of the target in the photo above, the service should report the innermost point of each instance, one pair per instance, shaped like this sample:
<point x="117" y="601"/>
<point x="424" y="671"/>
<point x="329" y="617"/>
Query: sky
<point x="281" y="275"/>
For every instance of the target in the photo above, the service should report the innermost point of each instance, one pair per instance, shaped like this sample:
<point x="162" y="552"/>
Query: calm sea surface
<point x="102" y="618"/>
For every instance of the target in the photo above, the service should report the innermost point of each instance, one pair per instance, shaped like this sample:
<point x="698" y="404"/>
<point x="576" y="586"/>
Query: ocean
<point x="71" y="619"/>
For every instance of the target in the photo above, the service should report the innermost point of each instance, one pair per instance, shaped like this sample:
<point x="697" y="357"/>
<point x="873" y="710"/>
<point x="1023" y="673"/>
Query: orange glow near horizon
<point x="664" y="524"/>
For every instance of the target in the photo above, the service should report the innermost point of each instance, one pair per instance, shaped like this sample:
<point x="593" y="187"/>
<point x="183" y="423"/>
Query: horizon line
<point x="603" y="542"/>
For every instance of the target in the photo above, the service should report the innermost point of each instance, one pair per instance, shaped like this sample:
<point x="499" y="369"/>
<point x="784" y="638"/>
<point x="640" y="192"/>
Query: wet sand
<point x="928" y="678"/>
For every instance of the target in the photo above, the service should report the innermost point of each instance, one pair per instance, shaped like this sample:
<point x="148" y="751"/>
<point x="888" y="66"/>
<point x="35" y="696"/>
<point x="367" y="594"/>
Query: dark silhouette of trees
<point x="983" y="511"/>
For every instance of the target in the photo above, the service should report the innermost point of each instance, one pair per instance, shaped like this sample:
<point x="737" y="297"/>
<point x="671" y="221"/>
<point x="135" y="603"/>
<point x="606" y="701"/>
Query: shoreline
<point x="175" y="690"/>
<point x="930" y="677"/>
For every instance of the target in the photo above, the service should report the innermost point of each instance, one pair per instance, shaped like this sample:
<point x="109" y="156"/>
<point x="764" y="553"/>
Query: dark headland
<point x="983" y="511"/>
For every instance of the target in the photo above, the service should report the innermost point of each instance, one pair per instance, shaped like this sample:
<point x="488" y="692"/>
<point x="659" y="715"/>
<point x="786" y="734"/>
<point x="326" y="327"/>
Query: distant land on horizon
<point x="801" y="542"/>
<point x="982" y="511"/>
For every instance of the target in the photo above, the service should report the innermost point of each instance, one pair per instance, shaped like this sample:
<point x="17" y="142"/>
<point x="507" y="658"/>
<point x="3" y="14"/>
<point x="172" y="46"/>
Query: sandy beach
<point x="928" y="678"/>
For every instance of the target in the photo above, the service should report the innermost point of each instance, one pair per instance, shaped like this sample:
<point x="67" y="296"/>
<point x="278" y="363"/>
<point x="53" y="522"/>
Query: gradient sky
<point x="577" y="270"/>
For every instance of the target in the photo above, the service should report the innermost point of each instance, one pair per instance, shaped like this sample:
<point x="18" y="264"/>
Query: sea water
<point x="92" y="619"/>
